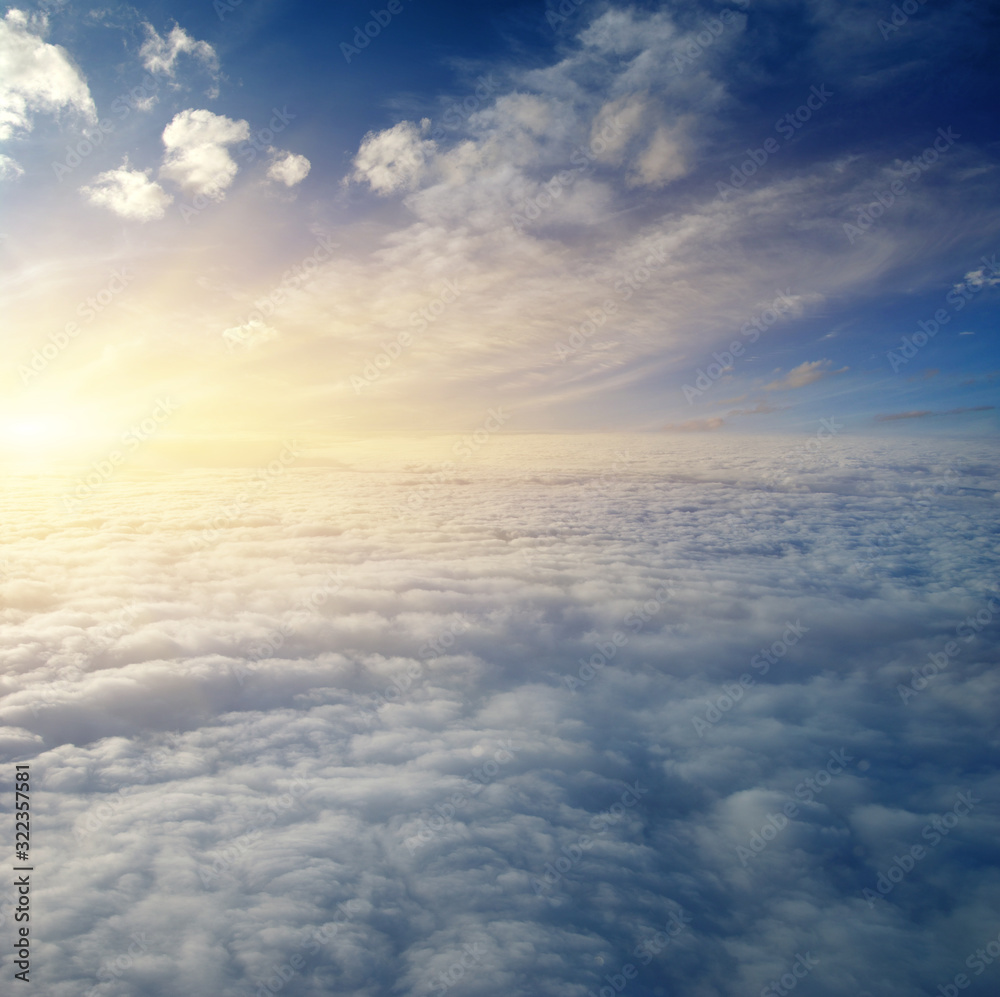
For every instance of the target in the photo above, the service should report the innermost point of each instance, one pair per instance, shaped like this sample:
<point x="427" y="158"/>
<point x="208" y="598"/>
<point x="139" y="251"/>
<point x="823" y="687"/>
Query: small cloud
<point x="10" y="169"/>
<point x="978" y="279"/>
<point x="806" y="373"/>
<point x="393" y="159"/>
<point x="967" y="332"/>
<point x="197" y="158"/>
<point x="925" y="413"/>
<point x="129" y="194"/>
<point x="288" y="168"/>
<point x="695" y="425"/>
<point x="159" y="55"/>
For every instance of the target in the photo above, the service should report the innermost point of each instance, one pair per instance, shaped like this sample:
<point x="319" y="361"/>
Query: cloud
<point x="663" y="160"/>
<point x="288" y="168"/>
<point x="924" y="413"/>
<point x="806" y="373"/>
<point x="36" y="76"/>
<point x="425" y="780"/>
<point x="976" y="280"/>
<point x="392" y="160"/>
<point x="10" y="169"/>
<point x="160" y="55"/>
<point x="128" y="193"/>
<point x="196" y="156"/>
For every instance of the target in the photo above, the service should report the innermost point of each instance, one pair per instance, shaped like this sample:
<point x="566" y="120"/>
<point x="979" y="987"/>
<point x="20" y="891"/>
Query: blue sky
<point x="536" y="156"/>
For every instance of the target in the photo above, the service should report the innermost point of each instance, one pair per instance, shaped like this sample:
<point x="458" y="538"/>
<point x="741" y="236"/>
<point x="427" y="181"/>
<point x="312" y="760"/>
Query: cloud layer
<point x="507" y="720"/>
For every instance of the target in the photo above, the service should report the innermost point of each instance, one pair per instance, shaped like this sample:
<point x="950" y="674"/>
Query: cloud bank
<point x="523" y="720"/>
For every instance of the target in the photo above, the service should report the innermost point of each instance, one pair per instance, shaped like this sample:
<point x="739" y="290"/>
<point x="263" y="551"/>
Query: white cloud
<point x="36" y="76"/>
<point x="128" y="193"/>
<point x="159" y="55"/>
<point x="10" y="169"/>
<point x="234" y="818"/>
<point x="392" y="160"/>
<point x="288" y="168"/>
<point x="196" y="156"/>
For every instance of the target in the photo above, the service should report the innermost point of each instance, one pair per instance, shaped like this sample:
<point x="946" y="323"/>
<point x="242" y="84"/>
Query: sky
<point x="306" y="223"/>
<point x="500" y="500"/>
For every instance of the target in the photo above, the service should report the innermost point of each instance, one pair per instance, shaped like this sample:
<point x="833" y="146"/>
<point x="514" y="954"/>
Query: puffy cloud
<point x="392" y="160"/>
<point x="196" y="156"/>
<point x="806" y="373"/>
<point x="36" y="76"/>
<point x="128" y="193"/>
<point x="288" y="168"/>
<point x="411" y="728"/>
<point x="159" y="55"/>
